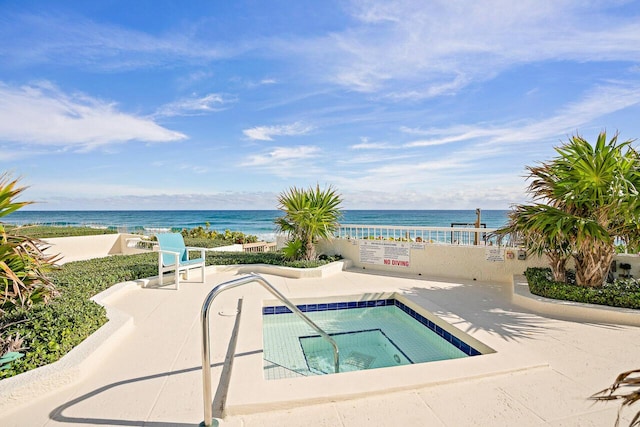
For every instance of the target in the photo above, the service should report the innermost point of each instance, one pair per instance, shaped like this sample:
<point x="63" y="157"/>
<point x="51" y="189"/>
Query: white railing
<point x="436" y="235"/>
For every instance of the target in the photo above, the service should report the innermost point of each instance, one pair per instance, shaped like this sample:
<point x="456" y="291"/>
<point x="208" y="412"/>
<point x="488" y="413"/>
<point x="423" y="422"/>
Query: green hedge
<point x="50" y="331"/>
<point x="620" y="293"/>
<point x="49" y="231"/>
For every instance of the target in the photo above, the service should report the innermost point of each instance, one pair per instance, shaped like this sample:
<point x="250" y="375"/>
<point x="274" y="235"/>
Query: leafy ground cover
<point x="621" y="293"/>
<point x="49" y="231"/>
<point x="51" y="330"/>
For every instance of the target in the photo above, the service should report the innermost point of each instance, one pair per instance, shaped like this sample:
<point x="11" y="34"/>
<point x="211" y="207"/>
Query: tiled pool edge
<point x="249" y="392"/>
<point x="452" y="339"/>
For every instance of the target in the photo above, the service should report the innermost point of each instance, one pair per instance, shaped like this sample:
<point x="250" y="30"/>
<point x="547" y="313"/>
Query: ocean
<point x="254" y="222"/>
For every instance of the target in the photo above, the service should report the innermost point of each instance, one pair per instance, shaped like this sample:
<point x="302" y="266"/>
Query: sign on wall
<point x="494" y="253"/>
<point x="384" y="253"/>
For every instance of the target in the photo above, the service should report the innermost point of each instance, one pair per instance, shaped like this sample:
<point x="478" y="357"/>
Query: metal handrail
<point x="206" y="344"/>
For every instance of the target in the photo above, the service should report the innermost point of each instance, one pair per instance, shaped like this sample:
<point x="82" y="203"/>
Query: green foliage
<point x="49" y="331"/>
<point x="211" y="238"/>
<point x="585" y="198"/>
<point x="51" y="231"/>
<point x="309" y="215"/>
<point x="23" y="266"/>
<point x="294" y="249"/>
<point x="271" y="258"/>
<point x="620" y="293"/>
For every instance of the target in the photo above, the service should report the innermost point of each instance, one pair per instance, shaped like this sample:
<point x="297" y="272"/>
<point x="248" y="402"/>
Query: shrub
<point x="620" y="293"/>
<point x="201" y="234"/>
<point x="49" y="331"/>
<point x="23" y="265"/>
<point x="50" y="231"/>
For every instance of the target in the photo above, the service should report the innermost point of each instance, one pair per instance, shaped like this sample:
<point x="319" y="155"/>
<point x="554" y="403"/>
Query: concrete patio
<point x="149" y="374"/>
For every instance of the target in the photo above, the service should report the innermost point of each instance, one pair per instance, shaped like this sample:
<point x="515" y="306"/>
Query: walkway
<point x="152" y="376"/>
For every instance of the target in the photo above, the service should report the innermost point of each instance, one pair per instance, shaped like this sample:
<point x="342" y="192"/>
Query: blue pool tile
<point x="268" y="310"/>
<point x="465" y="348"/>
<point x="456" y="341"/>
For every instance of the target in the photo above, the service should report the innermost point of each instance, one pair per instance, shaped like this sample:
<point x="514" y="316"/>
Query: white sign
<point x="384" y="253"/>
<point x="494" y="254"/>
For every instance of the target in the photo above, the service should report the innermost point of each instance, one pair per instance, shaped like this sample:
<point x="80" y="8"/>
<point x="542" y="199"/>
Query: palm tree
<point x="588" y="197"/>
<point x="310" y="215"/>
<point x="22" y="262"/>
<point x="531" y="226"/>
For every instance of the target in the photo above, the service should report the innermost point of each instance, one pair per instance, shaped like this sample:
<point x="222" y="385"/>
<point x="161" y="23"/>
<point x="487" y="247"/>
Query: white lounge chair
<point x="173" y="255"/>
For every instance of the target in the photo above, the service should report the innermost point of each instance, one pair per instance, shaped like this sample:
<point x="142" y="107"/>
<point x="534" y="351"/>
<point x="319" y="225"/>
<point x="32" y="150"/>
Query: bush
<point x="49" y="231"/>
<point x="50" y="331"/>
<point x="227" y="238"/>
<point x="621" y="293"/>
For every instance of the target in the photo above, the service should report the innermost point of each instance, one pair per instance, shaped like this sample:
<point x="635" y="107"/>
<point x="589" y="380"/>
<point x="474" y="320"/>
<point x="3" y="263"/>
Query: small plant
<point x="309" y="215"/>
<point x="294" y="249"/>
<point x="623" y="293"/>
<point x="23" y="265"/>
<point x="221" y="239"/>
<point x="624" y="381"/>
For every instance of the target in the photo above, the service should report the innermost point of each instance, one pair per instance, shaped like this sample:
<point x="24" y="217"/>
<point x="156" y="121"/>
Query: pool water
<point x="358" y="350"/>
<point x="369" y="335"/>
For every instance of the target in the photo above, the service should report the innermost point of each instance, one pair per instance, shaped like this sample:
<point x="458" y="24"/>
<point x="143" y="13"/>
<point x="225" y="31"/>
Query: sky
<point x="440" y="104"/>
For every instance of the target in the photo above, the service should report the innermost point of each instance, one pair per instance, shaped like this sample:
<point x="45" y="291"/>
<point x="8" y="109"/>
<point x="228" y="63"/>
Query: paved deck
<point x="152" y="375"/>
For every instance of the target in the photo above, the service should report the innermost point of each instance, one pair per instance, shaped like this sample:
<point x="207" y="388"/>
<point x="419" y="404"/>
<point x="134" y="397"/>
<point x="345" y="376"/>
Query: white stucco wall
<point x="463" y="262"/>
<point x="77" y="248"/>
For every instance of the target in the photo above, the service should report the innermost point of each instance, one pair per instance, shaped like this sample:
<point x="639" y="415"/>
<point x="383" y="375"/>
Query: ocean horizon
<point x="253" y="222"/>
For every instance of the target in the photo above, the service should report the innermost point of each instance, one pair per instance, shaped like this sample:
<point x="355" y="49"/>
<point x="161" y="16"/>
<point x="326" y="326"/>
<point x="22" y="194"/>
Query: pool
<point x="254" y="385"/>
<point x="370" y="334"/>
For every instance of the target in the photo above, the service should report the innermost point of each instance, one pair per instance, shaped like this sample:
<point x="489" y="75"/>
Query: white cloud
<point x="365" y="144"/>
<point x="599" y="102"/>
<point x="281" y="155"/>
<point x="412" y="50"/>
<point x="266" y="133"/>
<point x="41" y="114"/>
<point x="195" y="106"/>
<point x="77" y="41"/>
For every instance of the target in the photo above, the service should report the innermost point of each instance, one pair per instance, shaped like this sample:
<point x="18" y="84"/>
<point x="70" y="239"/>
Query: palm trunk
<point x="593" y="261"/>
<point x="309" y="250"/>
<point x="558" y="263"/>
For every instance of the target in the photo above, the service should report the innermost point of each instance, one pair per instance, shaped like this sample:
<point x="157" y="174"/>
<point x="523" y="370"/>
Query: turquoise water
<point x="368" y="338"/>
<point x="256" y="222"/>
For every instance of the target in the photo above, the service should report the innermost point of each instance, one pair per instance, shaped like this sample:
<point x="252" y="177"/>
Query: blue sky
<point x="223" y="105"/>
